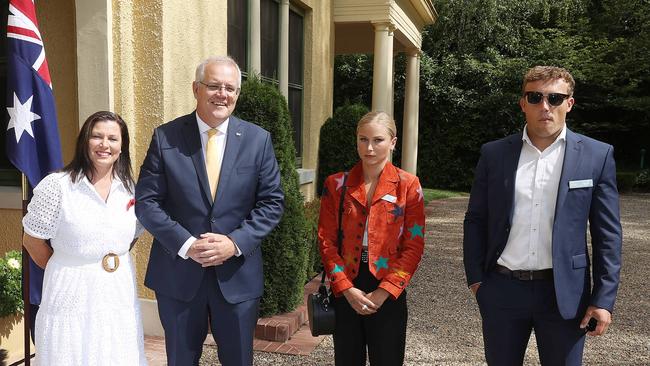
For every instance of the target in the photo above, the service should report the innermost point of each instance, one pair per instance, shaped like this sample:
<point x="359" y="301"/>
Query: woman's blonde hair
<point x="381" y="118"/>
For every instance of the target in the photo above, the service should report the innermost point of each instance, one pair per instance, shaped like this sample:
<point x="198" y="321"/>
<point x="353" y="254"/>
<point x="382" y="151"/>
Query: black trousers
<point x="383" y="333"/>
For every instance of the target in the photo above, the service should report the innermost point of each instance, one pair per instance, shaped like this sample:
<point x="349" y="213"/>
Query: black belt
<point x="364" y="255"/>
<point x="524" y="275"/>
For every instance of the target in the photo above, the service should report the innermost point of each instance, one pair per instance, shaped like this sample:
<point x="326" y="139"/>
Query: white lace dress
<point x="88" y="316"/>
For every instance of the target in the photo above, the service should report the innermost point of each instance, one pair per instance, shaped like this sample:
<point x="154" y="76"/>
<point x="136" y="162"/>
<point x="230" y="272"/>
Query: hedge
<point x="284" y="251"/>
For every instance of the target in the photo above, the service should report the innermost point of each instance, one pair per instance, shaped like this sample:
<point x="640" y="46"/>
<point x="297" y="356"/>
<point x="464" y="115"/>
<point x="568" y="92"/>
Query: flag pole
<point x="25" y="259"/>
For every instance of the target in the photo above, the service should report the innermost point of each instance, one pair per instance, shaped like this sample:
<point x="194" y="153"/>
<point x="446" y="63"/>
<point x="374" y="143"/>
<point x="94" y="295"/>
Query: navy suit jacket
<point x="489" y="216"/>
<point x="173" y="202"/>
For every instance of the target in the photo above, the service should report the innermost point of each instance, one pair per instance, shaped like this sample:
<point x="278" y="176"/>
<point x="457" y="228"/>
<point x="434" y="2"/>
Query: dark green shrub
<point x="338" y="147"/>
<point x="285" y="249"/>
<point x="312" y="211"/>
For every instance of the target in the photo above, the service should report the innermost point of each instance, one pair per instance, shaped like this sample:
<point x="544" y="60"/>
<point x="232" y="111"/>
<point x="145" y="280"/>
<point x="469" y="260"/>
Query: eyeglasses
<point x="229" y="89"/>
<point x="554" y="99"/>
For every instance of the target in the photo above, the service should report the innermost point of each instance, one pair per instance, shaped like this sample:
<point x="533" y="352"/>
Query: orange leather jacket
<point x="395" y="228"/>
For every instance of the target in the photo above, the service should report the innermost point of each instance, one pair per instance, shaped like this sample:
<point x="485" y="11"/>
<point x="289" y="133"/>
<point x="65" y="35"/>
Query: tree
<point x="473" y="61"/>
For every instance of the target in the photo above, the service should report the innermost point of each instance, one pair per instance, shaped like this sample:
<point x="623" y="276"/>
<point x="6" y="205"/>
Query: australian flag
<point x="32" y="135"/>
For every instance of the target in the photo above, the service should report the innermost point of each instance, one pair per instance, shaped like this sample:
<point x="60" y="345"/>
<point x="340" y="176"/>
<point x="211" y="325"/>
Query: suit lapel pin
<point x="237" y="133"/>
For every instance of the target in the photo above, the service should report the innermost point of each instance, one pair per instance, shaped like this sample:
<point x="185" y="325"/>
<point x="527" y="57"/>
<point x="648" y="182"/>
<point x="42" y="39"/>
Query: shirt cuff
<point x="186" y="247"/>
<point x="237" y="250"/>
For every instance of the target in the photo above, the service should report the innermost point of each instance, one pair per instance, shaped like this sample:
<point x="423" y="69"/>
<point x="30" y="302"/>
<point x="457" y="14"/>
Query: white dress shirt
<point x="222" y="129"/>
<point x="536" y="186"/>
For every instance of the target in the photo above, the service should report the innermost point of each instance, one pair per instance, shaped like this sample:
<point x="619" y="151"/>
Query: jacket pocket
<point x="579" y="261"/>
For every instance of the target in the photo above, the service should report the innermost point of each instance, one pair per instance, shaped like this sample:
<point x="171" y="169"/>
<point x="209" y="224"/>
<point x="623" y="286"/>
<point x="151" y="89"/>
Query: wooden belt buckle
<point x="107" y="266"/>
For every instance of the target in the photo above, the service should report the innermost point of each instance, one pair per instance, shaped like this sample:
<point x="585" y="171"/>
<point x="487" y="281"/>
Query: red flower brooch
<point x="130" y="204"/>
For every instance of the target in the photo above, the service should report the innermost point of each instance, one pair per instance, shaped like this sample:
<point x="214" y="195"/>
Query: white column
<point x="391" y="97"/>
<point x="411" y="107"/>
<point x="382" y="72"/>
<point x="283" y="72"/>
<point x="255" y="44"/>
<point x="94" y="57"/>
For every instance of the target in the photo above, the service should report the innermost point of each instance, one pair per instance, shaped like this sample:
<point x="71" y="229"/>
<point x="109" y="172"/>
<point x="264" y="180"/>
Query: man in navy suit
<point x="209" y="192"/>
<point x="525" y="249"/>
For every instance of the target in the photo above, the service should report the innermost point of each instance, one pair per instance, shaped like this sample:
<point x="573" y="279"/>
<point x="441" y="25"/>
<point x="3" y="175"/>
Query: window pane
<point x="238" y="31"/>
<point x="296" y="53"/>
<point x="295" y="48"/>
<point x="269" y="38"/>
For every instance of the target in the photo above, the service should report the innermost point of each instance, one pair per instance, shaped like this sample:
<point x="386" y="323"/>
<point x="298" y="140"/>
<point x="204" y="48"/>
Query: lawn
<point x="431" y="194"/>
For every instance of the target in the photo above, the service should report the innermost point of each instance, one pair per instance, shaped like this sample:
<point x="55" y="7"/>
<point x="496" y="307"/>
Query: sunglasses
<point x="554" y="99"/>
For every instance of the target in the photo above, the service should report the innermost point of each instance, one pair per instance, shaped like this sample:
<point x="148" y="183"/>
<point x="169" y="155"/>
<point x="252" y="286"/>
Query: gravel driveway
<point x="444" y="325"/>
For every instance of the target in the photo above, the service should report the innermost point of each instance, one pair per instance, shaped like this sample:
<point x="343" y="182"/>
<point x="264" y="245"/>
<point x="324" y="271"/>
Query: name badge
<point x="389" y="198"/>
<point x="585" y="183"/>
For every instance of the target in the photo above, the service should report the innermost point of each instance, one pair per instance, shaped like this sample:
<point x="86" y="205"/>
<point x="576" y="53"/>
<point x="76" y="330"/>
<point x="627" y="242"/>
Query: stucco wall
<point x="57" y="25"/>
<point x="10" y="230"/>
<point x="192" y="31"/>
<point x="157" y="45"/>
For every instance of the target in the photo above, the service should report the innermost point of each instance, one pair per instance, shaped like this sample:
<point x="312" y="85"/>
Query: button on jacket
<point x="395" y="228"/>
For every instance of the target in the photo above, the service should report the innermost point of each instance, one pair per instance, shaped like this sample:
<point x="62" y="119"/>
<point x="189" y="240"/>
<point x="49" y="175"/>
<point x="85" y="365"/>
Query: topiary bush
<point x="285" y="250"/>
<point x="338" y="143"/>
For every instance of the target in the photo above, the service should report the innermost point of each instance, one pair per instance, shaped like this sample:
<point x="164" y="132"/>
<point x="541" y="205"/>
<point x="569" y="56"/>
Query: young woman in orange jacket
<point x="383" y="240"/>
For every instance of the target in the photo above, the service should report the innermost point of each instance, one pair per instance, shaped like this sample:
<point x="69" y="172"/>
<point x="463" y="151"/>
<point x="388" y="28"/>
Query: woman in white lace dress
<point x="89" y="312"/>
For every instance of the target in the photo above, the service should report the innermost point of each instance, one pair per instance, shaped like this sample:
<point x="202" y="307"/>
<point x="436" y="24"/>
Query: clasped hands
<point x="363" y="303"/>
<point x="211" y="249"/>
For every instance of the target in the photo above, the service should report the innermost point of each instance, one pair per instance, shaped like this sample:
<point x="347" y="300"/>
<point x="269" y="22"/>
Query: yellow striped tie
<point x="212" y="161"/>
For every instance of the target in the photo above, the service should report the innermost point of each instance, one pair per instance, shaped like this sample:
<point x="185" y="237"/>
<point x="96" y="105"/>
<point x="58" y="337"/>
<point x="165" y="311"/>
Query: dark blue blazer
<point x="173" y="202"/>
<point x="489" y="216"/>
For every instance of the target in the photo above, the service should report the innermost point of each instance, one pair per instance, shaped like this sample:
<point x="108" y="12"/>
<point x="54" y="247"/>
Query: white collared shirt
<point x="536" y="186"/>
<point x="222" y="129"/>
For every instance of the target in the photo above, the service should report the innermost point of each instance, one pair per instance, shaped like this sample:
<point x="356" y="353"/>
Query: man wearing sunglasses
<point x="525" y="249"/>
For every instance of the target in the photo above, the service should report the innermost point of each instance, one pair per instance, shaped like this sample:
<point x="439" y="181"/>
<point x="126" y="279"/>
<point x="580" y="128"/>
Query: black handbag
<point x="320" y="311"/>
<point x="320" y="304"/>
